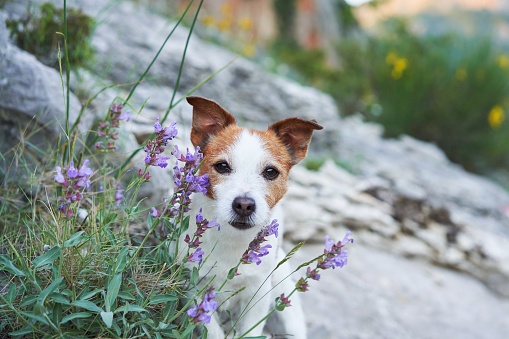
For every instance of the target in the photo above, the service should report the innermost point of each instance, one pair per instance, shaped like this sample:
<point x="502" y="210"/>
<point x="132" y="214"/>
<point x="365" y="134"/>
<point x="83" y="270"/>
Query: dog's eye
<point x="270" y="173"/>
<point x="222" y="167"/>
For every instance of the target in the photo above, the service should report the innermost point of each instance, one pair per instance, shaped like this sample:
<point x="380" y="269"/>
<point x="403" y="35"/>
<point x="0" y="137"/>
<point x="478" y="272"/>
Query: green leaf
<point x="28" y="300"/>
<point x="126" y="295"/>
<point x="24" y="330"/>
<point x="194" y="276"/>
<point x="290" y="254"/>
<point x="67" y="292"/>
<point x="91" y="294"/>
<point x="137" y="207"/>
<point x="111" y="295"/>
<point x="130" y="308"/>
<point x="59" y="298"/>
<point x="162" y="298"/>
<point x="150" y="220"/>
<point x="88" y="305"/>
<point x="231" y="273"/>
<point x="75" y="239"/>
<point x="107" y="318"/>
<point x="5" y="261"/>
<point x="78" y="315"/>
<point x="184" y="225"/>
<point x="48" y="257"/>
<point x="48" y="290"/>
<point x="11" y="294"/>
<point x="35" y="317"/>
<point x="176" y="334"/>
<point x="121" y="260"/>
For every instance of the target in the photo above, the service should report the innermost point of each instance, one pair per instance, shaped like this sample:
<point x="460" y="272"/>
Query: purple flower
<point x="328" y="244"/>
<point x="118" y="194"/>
<point x="155" y="213"/>
<point x="284" y="300"/>
<point x="347" y="240"/>
<point x="59" y="176"/>
<point x="108" y="127"/>
<point x="124" y="116"/>
<point x="72" y="172"/>
<point x="313" y="274"/>
<point x="199" y="312"/>
<point x="302" y="285"/>
<point x="196" y="256"/>
<point x="73" y="180"/>
<point x="334" y="256"/>
<point x="255" y="251"/>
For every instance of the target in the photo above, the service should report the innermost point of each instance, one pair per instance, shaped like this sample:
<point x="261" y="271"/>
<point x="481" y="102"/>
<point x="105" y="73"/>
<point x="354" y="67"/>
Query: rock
<point x="31" y="98"/>
<point x="382" y="295"/>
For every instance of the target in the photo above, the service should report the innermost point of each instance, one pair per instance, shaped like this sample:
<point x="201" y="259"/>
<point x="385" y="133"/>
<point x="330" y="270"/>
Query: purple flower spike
<point x="334" y="256"/>
<point x="255" y="251"/>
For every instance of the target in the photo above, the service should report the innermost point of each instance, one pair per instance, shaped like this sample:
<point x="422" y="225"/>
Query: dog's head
<point x="248" y="169"/>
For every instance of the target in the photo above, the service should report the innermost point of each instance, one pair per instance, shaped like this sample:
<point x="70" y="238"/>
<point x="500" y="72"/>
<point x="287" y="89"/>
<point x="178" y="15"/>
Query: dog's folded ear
<point x="295" y="133"/>
<point x="208" y="119"/>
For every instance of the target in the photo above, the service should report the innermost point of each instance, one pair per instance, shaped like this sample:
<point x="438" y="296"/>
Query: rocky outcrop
<point x="431" y="257"/>
<point x="31" y="99"/>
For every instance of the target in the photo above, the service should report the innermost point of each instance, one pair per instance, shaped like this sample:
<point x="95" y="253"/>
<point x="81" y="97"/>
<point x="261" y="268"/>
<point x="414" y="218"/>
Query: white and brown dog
<point x="248" y="173"/>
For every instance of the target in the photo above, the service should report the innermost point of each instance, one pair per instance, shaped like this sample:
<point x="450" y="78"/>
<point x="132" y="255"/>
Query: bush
<point x="37" y="34"/>
<point x="447" y="89"/>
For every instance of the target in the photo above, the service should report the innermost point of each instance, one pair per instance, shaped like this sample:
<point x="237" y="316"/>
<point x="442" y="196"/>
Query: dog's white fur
<point x="247" y="156"/>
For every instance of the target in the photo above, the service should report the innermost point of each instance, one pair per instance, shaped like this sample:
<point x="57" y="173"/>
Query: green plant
<point x="37" y="33"/>
<point x="448" y="89"/>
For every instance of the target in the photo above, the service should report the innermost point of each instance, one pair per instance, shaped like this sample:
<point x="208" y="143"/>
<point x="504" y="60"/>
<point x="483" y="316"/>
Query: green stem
<point x="182" y="62"/>
<point x="158" y="52"/>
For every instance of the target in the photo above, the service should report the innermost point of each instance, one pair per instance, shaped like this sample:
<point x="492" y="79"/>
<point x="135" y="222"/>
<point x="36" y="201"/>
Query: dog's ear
<point x="295" y="133"/>
<point x="208" y="119"/>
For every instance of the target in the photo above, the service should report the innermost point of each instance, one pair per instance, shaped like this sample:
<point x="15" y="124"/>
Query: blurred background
<point x="435" y="70"/>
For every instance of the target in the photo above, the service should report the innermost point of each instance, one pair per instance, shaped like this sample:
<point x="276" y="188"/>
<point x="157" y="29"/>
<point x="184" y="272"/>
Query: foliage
<point x="37" y="34"/>
<point x="448" y="89"/>
<point x="285" y="11"/>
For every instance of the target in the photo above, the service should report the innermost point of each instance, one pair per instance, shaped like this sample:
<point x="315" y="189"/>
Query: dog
<point x="248" y="174"/>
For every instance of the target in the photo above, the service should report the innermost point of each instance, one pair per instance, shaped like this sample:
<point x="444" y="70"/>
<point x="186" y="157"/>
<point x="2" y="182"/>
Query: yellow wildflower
<point x="224" y="25"/>
<point x="391" y="58"/>
<point x="226" y="9"/>
<point x="208" y="21"/>
<point x="496" y="117"/>
<point x="461" y="74"/>
<point x="246" y="24"/>
<point x="503" y="61"/>
<point x="399" y="66"/>
<point x="249" y="51"/>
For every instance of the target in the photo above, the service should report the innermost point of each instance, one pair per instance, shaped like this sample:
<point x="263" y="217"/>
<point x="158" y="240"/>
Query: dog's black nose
<point x="244" y="206"/>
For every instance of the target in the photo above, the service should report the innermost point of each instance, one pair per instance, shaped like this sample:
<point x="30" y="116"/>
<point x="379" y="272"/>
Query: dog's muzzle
<point x="243" y="208"/>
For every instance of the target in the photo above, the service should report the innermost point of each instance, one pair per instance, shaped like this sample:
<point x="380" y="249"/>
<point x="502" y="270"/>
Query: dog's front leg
<point x="214" y="330"/>
<point x="255" y="312"/>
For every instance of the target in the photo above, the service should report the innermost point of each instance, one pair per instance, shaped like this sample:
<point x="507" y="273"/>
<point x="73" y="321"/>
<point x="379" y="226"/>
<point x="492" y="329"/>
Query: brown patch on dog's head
<point x="216" y="150"/>
<point x="295" y="133"/>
